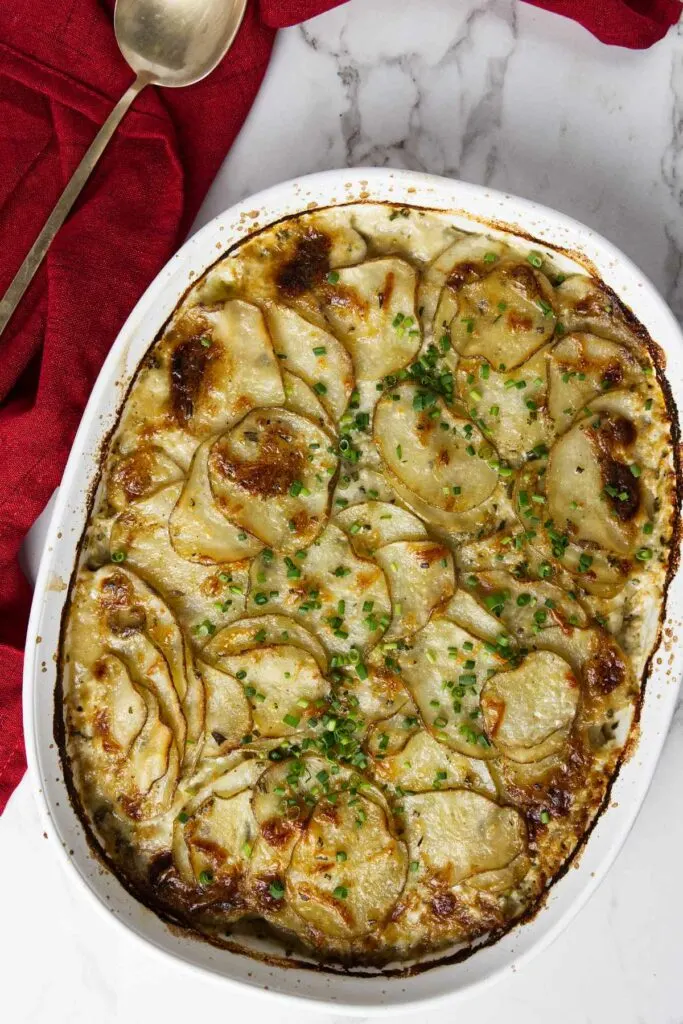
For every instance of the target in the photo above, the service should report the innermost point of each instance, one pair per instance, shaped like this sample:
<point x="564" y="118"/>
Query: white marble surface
<point x="491" y="91"/>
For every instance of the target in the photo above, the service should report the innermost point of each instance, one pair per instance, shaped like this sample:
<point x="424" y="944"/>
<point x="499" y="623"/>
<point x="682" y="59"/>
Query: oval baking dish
<point x="473" y="208"/>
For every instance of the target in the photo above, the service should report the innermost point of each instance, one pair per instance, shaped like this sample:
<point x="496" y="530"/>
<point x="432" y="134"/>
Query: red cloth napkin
<point x="60" y="71"/>
<point x="632" y="23"/>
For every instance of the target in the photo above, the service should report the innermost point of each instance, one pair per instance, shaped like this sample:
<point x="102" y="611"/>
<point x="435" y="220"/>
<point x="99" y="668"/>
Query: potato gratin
<point x="373" y="572"/>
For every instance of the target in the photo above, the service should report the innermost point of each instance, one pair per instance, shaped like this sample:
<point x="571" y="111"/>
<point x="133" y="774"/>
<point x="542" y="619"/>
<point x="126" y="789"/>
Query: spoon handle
<point x="35" y="256"/>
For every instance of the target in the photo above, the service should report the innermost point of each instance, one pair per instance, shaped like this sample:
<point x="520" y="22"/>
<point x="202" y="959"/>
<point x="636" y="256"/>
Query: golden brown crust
<point x="379" y="737"/>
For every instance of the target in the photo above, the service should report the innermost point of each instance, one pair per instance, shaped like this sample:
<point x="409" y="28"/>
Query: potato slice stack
<point x="355" y="642"/>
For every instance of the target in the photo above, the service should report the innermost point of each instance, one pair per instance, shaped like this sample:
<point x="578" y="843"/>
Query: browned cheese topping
<point x="357" y="641"/>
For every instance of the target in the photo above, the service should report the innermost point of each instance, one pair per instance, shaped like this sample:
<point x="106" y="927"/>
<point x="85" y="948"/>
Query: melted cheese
<point x="369" y="585"/>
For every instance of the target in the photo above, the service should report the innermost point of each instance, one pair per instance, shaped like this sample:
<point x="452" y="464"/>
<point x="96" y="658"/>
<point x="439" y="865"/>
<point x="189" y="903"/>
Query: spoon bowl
<point x="166" y="42"/>
<point x="176" y="42"/>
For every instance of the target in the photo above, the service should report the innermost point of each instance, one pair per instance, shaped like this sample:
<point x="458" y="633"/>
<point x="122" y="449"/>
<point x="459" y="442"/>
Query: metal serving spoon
<point x="166" y="42"/>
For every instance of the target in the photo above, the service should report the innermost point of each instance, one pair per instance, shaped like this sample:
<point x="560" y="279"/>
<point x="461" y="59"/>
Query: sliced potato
<point x="420" y="577"/>
<point x="525" y="607"/>
<point x="216" y="837"/>
<point x="445" y="670"/>
<point x="491" y="304"/>
<point x="289" y="262"/>
<point x="314" y="584"/>
<point x="139" y="474"/>
<point x="127" y="757"/>
<point x="115" y="612"/>
<point x="301" y="399"/>
<point x="198" y="595"/>
<point x="252" y="632"/>
<point x="581" y="467"/>
<point x="228" y="714"/>
<point x="458" y="834"/>
<point x="314" y="355"/>
<point x="510" y="408"/>
<point x="530" y="709"/>
<point x="446" y="468"/>
<point x="458" y="527"/>
<point x="585" y="304"/>
<point x="433" y="293"/>
<point x="419" y="235"/>
<point x="271" y="474"/>
<point x="600" y="664"/>
<point x="372" y="524"/>
<point x="211" y="367"/>
<point x="198" y="529"/>
<point x="582" y="367"/>
<point x="390" y="735"/>
<point x="150" y="754"/>
<point x="468" y="613"/>
<point x="382" y="694"/>
<point x="283" y="801"/>
<point x="598" y="572"/>
<point x="425" y="764"/>
<point x="371" y="307"/>
<point x="346" y="898"/>
<point x="282" y="683"/>
<point x="504" y="316"/>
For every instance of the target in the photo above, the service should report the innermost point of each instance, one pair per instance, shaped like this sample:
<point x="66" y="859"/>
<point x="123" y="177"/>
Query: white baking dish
<point x="348" y="993"/>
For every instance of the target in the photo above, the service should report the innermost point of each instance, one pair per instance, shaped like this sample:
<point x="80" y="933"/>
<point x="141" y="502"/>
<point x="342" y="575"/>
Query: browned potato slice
<point x="248" y="633"/>
<point x="192" y="389"/>
<point x="314" y="355"/>
<point x="420" y="577"/>
<point x="271" y="474"/>
<point x="382" y="335"/>
<point x="459" y="834"/>
<point x="586" y="304"/>
<point x="581" y="367"/>
<point x="530" y="709"/>
<point x="198" y="529"/>
<point x="372" y="524"/>
<point x="425" y="764"/>
<point x="139" y="474"/>
<point x="586" y="480"/>
<point x="214" y="836"/>
<point x="444" y="467"/>
<point x="283" y="801"/>
<point x="596" y="571"/>
<point x="438" y="304"/>
<point x="203" y="598"/>
<point x="325" y="587"/>
<point x="128" y="759"/>
<point x="346" y="897"/>
<point x="445" y="669"/>
<point x="493" y="304"/>
<point x="115" y="612"/>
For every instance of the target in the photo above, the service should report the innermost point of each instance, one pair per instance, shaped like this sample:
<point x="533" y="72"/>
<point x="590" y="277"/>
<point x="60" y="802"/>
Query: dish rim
<point x="346" y="993"/>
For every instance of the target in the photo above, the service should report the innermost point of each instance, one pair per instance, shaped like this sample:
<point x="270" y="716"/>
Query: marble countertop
<point x="495" y="92"/>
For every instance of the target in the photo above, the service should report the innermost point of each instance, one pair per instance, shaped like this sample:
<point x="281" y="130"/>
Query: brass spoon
<point x="166" y="42"/>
